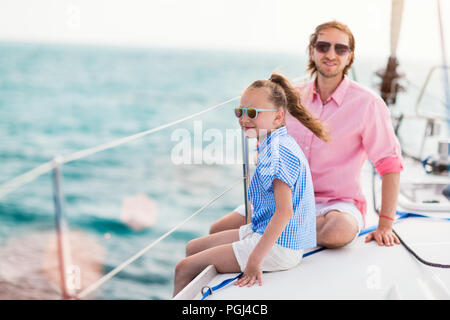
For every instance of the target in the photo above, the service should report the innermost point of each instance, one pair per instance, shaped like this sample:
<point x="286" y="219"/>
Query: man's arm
<point x="389" y="194"/>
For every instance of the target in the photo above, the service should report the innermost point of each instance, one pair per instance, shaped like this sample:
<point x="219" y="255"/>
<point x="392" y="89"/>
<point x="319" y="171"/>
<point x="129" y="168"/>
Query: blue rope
<point x="220" y="285"/>
<point x="402" y="215"/>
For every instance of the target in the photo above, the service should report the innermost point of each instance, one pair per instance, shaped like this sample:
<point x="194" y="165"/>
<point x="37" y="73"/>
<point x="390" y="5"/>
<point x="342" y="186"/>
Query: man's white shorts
<point x="348" y="207"/>
<point x="277" y="259"/>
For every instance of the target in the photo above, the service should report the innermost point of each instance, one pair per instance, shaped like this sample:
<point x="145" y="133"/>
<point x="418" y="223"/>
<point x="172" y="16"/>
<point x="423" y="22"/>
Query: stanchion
<point x="63" y="249"/>
<point x="246" y="175"/>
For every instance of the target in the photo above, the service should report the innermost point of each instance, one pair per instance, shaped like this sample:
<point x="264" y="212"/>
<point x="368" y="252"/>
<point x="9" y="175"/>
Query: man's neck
<point x="326" y="86"/>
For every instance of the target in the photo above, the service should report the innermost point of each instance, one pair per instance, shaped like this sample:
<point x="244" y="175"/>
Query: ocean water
<point x="58" y="99"/>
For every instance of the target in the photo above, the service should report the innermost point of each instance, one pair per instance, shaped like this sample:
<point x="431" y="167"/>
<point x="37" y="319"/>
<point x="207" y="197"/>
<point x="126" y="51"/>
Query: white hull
<point x="360" y="270"/>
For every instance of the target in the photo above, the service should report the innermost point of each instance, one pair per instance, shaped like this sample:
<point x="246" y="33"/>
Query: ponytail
<point x="293" y="104"/>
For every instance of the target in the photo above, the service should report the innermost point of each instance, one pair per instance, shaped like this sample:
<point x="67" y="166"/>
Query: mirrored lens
<point x="251" y="113"/>
<point x="322" y="46"/>
<point x="238" y="112"/>
<point x="341" y="49"/>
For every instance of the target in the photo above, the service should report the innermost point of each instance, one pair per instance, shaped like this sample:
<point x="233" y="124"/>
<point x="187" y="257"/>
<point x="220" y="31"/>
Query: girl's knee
<point x="182" y="266"/>
<point x="196" y="245"/>
<point x="215" y="227"/>
<point x="191" y="247"/>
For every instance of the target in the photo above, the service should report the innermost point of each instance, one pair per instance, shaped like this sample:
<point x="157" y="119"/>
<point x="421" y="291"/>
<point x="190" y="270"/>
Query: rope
<point x="33" y="174"/>
<point x="431" y="264"/>
<point x="404" y="215"/>
<point x="220" y="285"/>
<point x="122" y="266"/>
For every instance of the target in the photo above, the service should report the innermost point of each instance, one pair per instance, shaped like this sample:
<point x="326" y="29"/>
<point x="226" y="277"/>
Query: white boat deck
<point x="358" y="271"/>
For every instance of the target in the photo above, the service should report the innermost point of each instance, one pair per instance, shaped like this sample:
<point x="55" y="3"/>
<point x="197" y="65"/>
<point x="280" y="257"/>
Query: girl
<point x="281" y="193"/>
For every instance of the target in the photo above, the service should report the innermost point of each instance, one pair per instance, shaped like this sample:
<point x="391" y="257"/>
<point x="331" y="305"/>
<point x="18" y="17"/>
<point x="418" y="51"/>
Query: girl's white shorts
<point x="277" y="259"/>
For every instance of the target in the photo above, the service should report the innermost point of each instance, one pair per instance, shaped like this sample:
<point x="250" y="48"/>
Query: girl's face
<point x="265" y="121"/>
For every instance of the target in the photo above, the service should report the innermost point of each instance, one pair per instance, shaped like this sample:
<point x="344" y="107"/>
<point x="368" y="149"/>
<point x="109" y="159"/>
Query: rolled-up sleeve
<point x="283" y="165"/>
<point x="379" y="140"/>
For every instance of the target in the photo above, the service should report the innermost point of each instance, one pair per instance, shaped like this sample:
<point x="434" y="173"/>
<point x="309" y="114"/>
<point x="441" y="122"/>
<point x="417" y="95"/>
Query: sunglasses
<point x="251" y="112"/>
<point x="339" y="48"/>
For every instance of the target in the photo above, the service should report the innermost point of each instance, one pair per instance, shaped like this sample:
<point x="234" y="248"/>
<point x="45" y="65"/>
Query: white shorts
<point x="324" y="208"/>
<point x="277" y="259"/>
<point x="347" y="207"/>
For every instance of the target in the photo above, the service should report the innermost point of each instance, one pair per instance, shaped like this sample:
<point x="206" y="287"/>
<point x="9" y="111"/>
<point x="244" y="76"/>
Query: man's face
<point x="330" y="64"/>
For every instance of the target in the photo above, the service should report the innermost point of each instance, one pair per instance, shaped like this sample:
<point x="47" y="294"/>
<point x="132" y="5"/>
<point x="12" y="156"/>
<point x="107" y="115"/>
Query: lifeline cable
<point x="130" y="260"/>
<point x="33" y="174"/>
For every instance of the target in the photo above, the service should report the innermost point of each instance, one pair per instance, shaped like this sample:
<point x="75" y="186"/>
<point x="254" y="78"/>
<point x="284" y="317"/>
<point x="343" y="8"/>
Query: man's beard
<point x="329" y="74"/>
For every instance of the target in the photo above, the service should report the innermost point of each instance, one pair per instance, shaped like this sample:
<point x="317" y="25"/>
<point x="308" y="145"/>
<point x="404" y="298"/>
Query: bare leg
<point x="232" y="220"/>
<point x="336" y="229"/>
<point x="222" y="257"/>
<point x="213" y="240"/>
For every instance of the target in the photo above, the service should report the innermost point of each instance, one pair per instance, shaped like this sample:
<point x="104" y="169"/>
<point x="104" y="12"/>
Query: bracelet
<point x="386" y="217"/>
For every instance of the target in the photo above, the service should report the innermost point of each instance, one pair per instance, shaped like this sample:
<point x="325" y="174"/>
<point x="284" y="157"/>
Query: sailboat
<point x="417" y="269"/>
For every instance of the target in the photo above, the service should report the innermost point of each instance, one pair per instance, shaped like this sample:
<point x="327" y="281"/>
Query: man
<point x="360" y="128"/>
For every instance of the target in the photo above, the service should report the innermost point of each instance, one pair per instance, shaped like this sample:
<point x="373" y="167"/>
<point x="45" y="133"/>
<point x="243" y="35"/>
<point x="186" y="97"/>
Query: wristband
<point x="386" y="217"/>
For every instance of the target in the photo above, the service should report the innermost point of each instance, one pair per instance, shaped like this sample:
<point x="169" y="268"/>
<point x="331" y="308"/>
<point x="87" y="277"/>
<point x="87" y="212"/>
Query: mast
<point x="444" y="66"/>
<point x="389" y="85"/>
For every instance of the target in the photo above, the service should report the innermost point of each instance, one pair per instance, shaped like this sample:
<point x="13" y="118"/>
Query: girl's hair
<point x="284" y="95"/>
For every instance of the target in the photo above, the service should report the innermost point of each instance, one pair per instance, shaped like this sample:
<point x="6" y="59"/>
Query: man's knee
<point x="332" y="240"/>
<point x="338" y="230"/>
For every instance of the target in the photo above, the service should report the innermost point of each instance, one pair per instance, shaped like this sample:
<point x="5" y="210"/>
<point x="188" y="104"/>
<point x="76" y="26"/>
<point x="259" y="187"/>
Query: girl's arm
<point x="281" y="217"/>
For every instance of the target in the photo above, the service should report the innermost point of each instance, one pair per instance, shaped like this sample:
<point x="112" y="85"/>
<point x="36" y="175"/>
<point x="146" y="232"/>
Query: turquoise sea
<point x="58" y="99"/>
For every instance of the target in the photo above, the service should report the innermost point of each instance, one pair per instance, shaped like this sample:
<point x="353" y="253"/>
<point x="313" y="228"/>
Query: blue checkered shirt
<point x="280" y="157"/>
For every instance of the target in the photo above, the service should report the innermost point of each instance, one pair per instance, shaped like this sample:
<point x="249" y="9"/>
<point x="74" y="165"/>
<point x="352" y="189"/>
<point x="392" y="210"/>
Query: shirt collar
<point x="274" y="133"/>
<point x="338" y="94"/>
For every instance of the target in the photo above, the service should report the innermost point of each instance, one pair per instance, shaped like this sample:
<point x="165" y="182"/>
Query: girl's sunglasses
<point x="339" y="48"/>
<point x="251" y="112"/>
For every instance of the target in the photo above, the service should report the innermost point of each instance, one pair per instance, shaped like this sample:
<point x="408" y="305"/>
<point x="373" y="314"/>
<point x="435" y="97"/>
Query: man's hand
<point x="389" y="192"/>
<point x="383" y="236"/>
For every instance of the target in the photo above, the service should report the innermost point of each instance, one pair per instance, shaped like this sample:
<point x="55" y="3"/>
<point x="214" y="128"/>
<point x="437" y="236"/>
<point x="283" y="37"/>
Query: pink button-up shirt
<point x="360" y="127"/>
